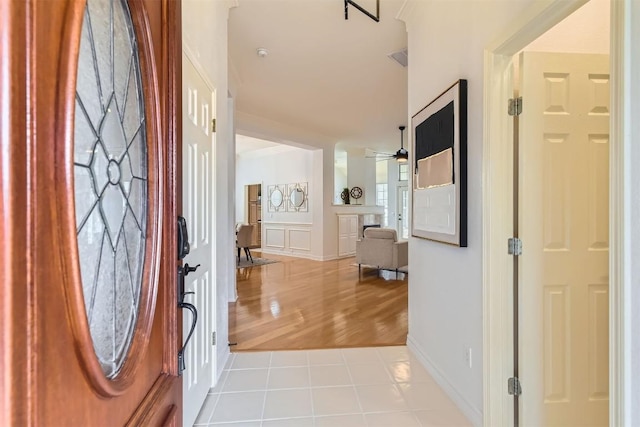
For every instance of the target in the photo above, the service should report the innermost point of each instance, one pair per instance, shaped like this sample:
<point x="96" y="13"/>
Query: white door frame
<point x="498" y="209"/>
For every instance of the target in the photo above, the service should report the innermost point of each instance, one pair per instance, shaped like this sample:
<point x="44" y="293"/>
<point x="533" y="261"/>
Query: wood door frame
<point x="498" y="208"/>
<point x="15" y="234"/>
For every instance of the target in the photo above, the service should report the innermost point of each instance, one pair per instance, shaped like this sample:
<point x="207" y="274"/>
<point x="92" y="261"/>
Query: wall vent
<point x="401" y="57"/>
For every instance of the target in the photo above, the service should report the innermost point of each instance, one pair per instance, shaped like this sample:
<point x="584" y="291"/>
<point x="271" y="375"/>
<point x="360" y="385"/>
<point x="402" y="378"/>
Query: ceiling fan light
<point x="402" y="155"/>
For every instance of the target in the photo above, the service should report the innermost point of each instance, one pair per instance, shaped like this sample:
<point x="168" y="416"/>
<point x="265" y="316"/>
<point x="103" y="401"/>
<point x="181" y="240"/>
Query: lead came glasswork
<point x="110" y="172"/>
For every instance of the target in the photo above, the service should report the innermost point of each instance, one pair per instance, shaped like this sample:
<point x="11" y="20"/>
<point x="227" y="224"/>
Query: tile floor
<point x="381" y="386"/>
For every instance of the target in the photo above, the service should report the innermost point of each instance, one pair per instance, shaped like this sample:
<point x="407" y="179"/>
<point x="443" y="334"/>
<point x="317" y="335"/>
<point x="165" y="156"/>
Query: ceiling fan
<point x="401" y="156"/>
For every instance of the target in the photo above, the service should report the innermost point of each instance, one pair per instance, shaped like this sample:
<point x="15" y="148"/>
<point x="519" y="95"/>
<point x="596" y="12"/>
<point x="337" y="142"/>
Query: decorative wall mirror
<point x="276" y="198"/>
<point x="297" y="194"/>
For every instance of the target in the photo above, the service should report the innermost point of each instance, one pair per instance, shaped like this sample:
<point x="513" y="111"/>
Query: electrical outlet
<point x="468" y="357"/>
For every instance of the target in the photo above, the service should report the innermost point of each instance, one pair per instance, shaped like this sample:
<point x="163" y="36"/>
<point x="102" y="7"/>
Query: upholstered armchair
<point x="380" y="248"/>
<point x="243" y="240"/>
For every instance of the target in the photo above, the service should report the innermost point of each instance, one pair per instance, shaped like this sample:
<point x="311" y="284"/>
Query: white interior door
<point x="403" y="212"/>
<point x="198" y="110"/>
<point x="564" y="227"/>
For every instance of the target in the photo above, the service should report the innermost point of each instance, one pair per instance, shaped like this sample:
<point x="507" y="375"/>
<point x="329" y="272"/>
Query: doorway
<point x="556" y="350"/>
<point x="403" y="211"/>
<point x="253" y="210"/>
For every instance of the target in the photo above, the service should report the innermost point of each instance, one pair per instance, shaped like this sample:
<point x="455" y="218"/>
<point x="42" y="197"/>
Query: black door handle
<point x="183" y="238"/>
<point x="188" y="269"/>
<point x="194" y="319"/>
<point x="183" y="271"/>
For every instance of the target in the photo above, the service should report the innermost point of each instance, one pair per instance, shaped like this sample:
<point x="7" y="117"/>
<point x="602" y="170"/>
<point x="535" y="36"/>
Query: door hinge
<point x="213" y="338"/>
<point x="213" y="125"/>
<point x="515" y="246"/>
<point x="514" y="387"/>
<point x="515" y="106"/>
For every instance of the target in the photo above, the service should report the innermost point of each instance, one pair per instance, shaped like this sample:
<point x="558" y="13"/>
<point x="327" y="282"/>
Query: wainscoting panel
<point x="274" y="237"/>
<point x="291" y="239"/>
<point x="300" y="239"/>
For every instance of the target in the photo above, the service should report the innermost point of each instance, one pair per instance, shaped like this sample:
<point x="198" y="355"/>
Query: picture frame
<point x="439" y="139"/>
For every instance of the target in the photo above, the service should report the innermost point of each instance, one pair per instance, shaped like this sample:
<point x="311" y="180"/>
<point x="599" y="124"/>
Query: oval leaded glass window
<point x="110" y="164"/>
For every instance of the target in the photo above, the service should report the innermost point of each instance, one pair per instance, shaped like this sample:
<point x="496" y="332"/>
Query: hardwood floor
<point x="303" y="304"/>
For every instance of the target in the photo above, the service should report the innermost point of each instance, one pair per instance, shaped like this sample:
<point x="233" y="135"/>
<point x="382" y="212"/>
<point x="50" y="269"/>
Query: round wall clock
<point x="356" y="193"/>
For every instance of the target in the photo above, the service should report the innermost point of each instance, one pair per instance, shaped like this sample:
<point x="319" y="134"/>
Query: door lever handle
<point x="188" y="269"/>
<point x="194" y="320"/>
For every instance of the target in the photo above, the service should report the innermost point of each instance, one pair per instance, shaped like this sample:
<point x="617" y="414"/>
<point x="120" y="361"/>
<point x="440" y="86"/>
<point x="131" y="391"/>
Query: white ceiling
<point x="325" y="80"/>
<point x="248" y="146"/>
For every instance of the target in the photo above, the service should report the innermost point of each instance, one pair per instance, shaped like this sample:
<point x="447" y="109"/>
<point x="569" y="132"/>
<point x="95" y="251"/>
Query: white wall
<point x="361" y="172"/>
<point x="273" y="166"/>
<point x="584" y="31"/>
<point x="202" y="24"/>
<point x="446" y="43"/>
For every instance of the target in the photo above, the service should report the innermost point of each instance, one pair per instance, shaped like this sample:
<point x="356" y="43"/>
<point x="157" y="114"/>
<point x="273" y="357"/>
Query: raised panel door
<point x="198" y="163"/>
<point x="564" y="278"/>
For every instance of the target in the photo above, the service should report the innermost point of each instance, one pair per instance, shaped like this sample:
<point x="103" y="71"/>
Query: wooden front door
<point x="89" y="129"/>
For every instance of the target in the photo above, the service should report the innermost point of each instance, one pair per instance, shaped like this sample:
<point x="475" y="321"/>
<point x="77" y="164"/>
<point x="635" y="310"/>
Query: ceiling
<point x="325" y="80"/>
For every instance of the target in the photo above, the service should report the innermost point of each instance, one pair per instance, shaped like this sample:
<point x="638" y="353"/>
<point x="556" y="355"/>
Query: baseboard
<point x="473" y="414"/>
<point x="220" y="366"/>
<point x="293" y="254"/>
<point x="304" y="255"/>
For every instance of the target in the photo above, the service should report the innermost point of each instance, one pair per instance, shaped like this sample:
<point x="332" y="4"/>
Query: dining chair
<point x="243" y="240"/>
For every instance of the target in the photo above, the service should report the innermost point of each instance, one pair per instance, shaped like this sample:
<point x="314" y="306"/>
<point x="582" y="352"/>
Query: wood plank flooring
<point x="303" y="304"/>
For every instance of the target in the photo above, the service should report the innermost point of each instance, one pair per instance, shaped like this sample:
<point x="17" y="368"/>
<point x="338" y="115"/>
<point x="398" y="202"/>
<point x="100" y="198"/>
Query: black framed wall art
<point x="439" y="133"/>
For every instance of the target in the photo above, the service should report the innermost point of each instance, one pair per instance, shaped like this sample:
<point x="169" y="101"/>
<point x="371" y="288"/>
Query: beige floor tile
<point x="370" y="374"/>
<point x="354" y="420"/>
<point x="442" y="418"/>
<point x="394" y="353"/>
<point x="246" y="380"/>
<point x="256" y="360"/>
<point x="409" y="372"/>
<point x="288" y="404"/>
<point x="325" y="357"/>
<point x="331" y="375"/>
<point x="238" y="424"/>
<point x="335" y="401"/>
<point x="289" y="422"/>
<point x="385" y="386"/>
<point x="359" y="356"/>
<point x="381" y="398"/>
<point x="395" y="419"/>
<point x="280" y="359"/>
<point x="243" y="406"/>
<point x="296" y="377"/>
<point x="425" y="396"/>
